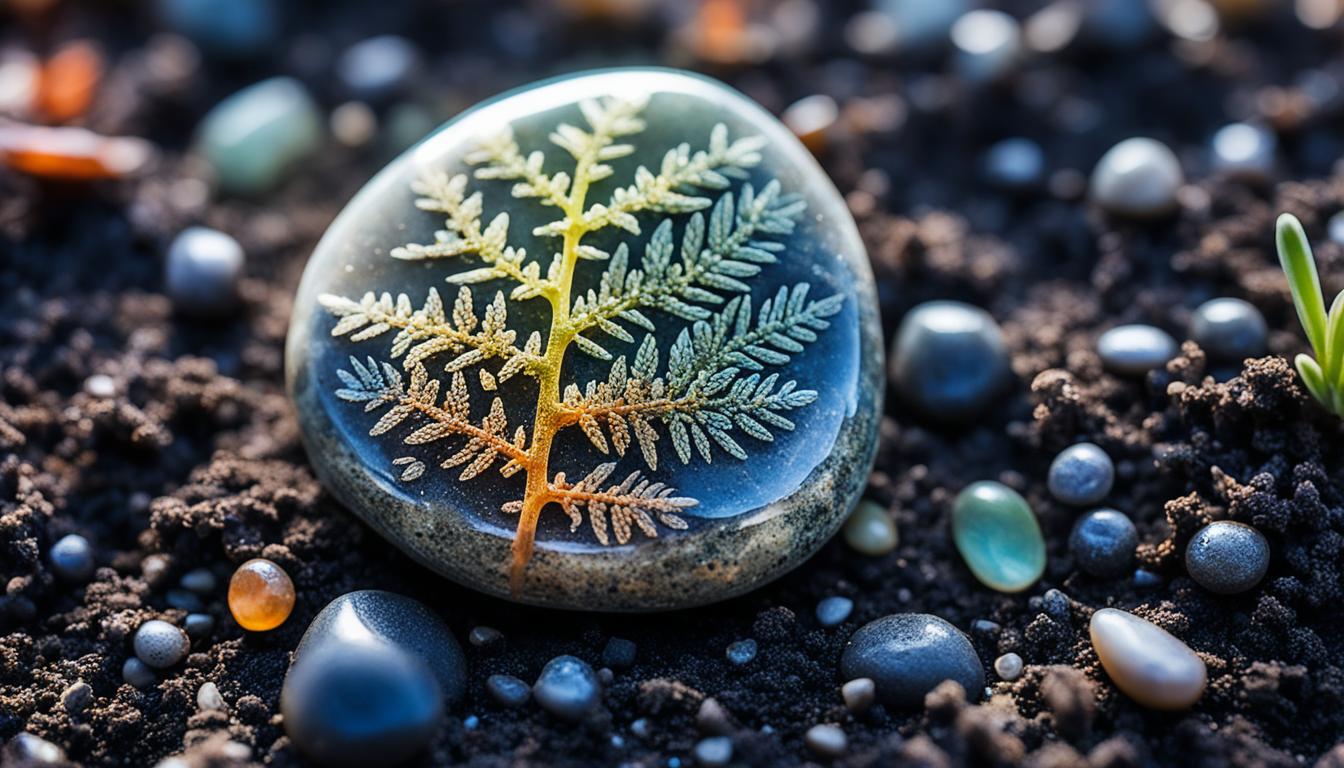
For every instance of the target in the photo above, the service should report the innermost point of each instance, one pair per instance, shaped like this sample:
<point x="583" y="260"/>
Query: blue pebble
<point x="72" y="558"/>
<point x="254" y="137"/>
<point x="1229" y="330"/>
<point x="1146" y="579"/>
<point x="199" y="625"/>
<point x="378" y="67"/>
<point x="1134" y="350"/>
<point x="714" y="752"/>
<point x="908" y="654"/>
<point x="1081" y="474"/>
<point x="619" y="653"/>
<point x="1056" y="605"/>
<point x="370" y="616"/>
<point x="833" y="610"/>
<point x="949" y="360"/>
<point x="567" y="688"/>
<point x="1103" y="543"/>
<point x="137" y="673"/>
<point x="471" y="722"/>
<point x="226" y="28"/>
<point x="507" y="690"/>
<point x="1227" y="557"/>
<point x="1015" y="163"/>
<point x="355" y="704"/>
<point x="741" y="652"/>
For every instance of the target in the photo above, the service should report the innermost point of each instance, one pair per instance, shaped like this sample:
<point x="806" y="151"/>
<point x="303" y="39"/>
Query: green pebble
<point x="870" y="530"/>
<point x="254" y="137"/>
<point x="998" y="537"/>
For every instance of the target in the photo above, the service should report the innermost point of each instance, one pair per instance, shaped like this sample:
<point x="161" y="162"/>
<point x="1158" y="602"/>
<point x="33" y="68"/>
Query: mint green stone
<point x="255" y="137"/>
<point x="998" y="537"/>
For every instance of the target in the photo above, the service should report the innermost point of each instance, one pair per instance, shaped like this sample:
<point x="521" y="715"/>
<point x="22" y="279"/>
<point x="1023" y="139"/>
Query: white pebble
<point x="826" y="740"/>
<point x="1138" y="177"/>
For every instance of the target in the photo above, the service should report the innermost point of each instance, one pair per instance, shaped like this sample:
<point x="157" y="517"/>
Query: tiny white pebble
<point x="1008" y="667"/>
<point x="859" y="694"/>
<point x="100" y="385"/>
<point x="208" y="697"/>
<point x="826" y="740"/>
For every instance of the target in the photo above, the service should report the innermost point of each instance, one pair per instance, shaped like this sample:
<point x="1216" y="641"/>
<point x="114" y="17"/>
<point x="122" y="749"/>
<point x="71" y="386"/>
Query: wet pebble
<point x="1008" y="667"/>
<point x="71" y="558"/>
<point x="208" y="697"/>
<point x="377" y="67"/>
<point x="619" y="653"/>
<point x="137" y="673"/>
<point x="1056" y="605"/>
<point x="100" y="385"/>
<point x="949" y="360"/>
<point x="826" y="740"/>
<point x="484" y="636"/>
<point x="998" y="536"/>
<point x="1015" y="164"/>
<point x="199" y="625"/>
<point x="859" y="694"/>
<point x="1229" y="330"/>
<point x="1244" y="151"/>
<point x="507" y="690"/>
<point x="907" y="655"/>
<point x="253" y="138"/>
<point x="834" y="610"/>
<point x="160" y="644"/>
<point x="714" y="752"/>
<point x="1138" y="178"/>
<point x="1134" y="350"/>
<point x="355" y="704"/>
<point x="202" y="271"/>
<point x="742" y="652"/>
<point x="988" y="45"/>
<point x="1081" y="474"/>
<point x="77" y="697"/>
<point x="567" y="688"/>
<point x="1146" y="662"/>
<point x="1103" y="543"/>
<point x="870" y="530"/>
<point x="1227" y="557"/>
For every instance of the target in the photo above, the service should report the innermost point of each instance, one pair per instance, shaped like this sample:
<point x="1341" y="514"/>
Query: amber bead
<point x="70" y="154"/>
<point x="261" y="595"/>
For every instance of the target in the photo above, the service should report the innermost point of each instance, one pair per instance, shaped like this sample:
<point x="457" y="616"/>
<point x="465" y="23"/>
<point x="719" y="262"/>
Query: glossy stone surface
<point x="1145" y="661"/>
<point x="1227" y="557"/>
<point x="1244" y="151"/>
<point x="567" y="688"/>
<point x="160" y="644"/>
<point x="1229" y="330"/>
<point x="998" y="536"/>
<point x="1008" y="667"/>
<point x="202" y="270"/>
<point x="507" y="690"/>
<point x="1137" y="178"/>
<point x="834" y="610"/>
<point x="1103" y="543"/>
<point x="908" y="654"/>
<point x="755" y="518"/>
<point x="254" y="137"/>
<point x="1134" y="350"/>
<point x="373" y="617"/>
<point x="71" y="558"/>
<point x="261" y="595"/>
<point x="360" y="704"/>
<point x="1081" y="474"/>
<point x="949" y="360"/>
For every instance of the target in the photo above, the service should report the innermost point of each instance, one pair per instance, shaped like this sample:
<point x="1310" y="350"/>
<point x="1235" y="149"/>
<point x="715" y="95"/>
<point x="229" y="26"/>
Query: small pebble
<point x="1138" y="178"/>
<point x="567" y="688"/>
<point x="1015" y="164"/>
<point x="605" y="676"/>
<point x="27" y="749"/>
<point x="619" y="653"/>
<point x="202" y="272"/>
<point x="1103" y="543"/>
<point x="986" y="627"/>
<point x="353" y="124"/>
<point x="1056" y="605"/>
<point x="226" y="28"/>
<point x="711" y="717"/>
<point x="1008" y="667"/>
<point x="1145" y="579"/>
<point x="1134" y="350"/>
<point x="253" y="138"/>
<point x="72" y="558"/>
<point x="359" y="704"/>
<point x="859" y="694"/>
<point x="508" y="690"/>
<point x="949" y="360"/>
<point x="1244" y="151"/>
<point x="1229" y="330"/>
<point x="834" y="610"/>
<point x="76" y="698"/>
<point x="261" y="595"/>
<point x="199" y="625"/>
<point x="988" y="45"/>
<point x="920" y="26"/>
<point x="908" y="654"/>
<point x="154" y="566"/>
<point x="714" y="752"/>
<point x="199" y="580"/>
<point x="100" y="385"/>
<point x="378" y="67"/>
<point x="826" y="741"/>
<point x="741" y="652"/>
<point x="1081" y="474"/>
<point x="160" y="644"/>
<point x="1335" y="228"/>
<point x="1227" y="557"/>
<point x="483" y="636"/>
<point x="1146" y="662"/>
<point x="208" y="697"/>
<point x="641" y="728"/>
<point x="998" y="536"/>
<point x="471" y="722"/>
<point x="870" y="530"/>
<point x="810" y="119"/>
<point x="137" y="673"/>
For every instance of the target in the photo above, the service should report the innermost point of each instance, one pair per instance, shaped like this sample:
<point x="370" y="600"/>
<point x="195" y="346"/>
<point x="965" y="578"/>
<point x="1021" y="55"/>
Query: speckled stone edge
<point x="724" y="558"/>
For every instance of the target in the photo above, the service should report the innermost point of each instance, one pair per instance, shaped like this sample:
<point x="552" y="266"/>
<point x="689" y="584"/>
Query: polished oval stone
<point x="719" y="304"/>
<point x="1145" y="661"/>
<point x="372" y="616"/>
<point x="1227" y="557"/>
<point x="998" y="536"/>
<point x="949" y="360"/>
<point x="1134" y="350"/>
<point x="1081" y="474"/>
<point x="908" y="654"/>
<point x="567" y="688"/>
<point x="254" y="137"/>
<point x="1229" y="330"/>
<point x="1137" y="178"/>
<point x="870" y="530"/>
<point x="1103" y="543"/>
<point x="72" y="558"/>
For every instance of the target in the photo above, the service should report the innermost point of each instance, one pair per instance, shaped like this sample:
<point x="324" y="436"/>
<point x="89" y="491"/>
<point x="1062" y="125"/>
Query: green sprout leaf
<point x="1324" y="375"/>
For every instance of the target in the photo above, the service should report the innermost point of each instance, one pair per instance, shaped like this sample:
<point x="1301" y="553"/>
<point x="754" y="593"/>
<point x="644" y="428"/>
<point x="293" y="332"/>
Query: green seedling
<point x="1323" y="374"/>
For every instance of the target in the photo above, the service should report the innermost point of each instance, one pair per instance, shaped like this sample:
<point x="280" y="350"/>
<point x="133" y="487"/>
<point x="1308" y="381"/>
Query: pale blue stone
<point x="567" y="688"/>
<point x="228" y="28"/>
<point x="254" y="137"/>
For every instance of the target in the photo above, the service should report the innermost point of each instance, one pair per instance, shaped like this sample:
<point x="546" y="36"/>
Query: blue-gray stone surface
<point x="1103" y="543"/>
<point x="567" y="688"/>
<point x="909" y="654"/>
<point x="949" y="360"/>
<point x="1227" y="557"/>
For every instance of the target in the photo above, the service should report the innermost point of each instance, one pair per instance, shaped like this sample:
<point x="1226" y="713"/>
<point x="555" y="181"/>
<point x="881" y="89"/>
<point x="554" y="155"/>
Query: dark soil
<point x="197" y="458"/>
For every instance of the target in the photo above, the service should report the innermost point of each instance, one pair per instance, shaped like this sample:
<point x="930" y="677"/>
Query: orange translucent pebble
<point x="70" y="153"/>
<point x="722" y="27"/>
<point x="69" y="80"/>
<point x="261" y="595"/>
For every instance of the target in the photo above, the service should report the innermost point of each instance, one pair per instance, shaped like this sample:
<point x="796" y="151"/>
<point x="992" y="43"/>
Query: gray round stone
<point x="831" y="611"/>
<point x="1103" y="543"/>
<point x="1081" y="474"/>
<point x="199" y="625"/>
<point x="909" y="654"/>
<point x="160" y="644"/>
<point x="949" y="360"/>
<point x="71" y="558"/>
<point x="202" y="271"/>
<point x="373" y="616"/>
<point x="1133" y="350"/>
<point x="859" y="694"/>
<point x="1229" y="330"/>
<point x="1227" y="557"/>
<point x="1008" y="667"/>
<point x="567" y="688"/>
<point x="137" y="673"/>
<point x="794" y="489"/>
<point x="1016" y="163"/>
<point x="1138" y="178"/>
<point x="714" y="752"/>
<point x="507" y="690"/>
<point x="1244" y="151"/>
<point x="377" y="67"/>
<point x="987" y="45"/>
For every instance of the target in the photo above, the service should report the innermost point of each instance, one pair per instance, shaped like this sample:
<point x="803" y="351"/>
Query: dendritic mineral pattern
<point x="652" y="281"/>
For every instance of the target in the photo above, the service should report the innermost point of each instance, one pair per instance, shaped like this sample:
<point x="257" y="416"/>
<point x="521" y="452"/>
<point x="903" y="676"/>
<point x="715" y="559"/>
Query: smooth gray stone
<point x="373" y="617"/>
<point x="199" y="625"/>
<point x="160" y="644"/>
<point x="567" y="688"/>
<point x="1133" y="350"/>
<point x="1015" y="163"/>
<point x="1229" y="330"/>
<point x="859" y="694"/>
<point x="1103" y="543"/>
<point x="909" y="654"/>
<point x="754" y="519"/>
<point x="1244" y="151"/>
<point x="834" y="610"/>
<point x="202" y="270"/>
<point x="1081" y="474"/>
<point x="137" y="673"/>
<point x="949" y="360"/>
<point x="1008" y="667"/>
<point x="71" y="558"/>
<point x="826" y="740"/>
<point x="508" y="690"/>
<point x="714" y="752"/>
<point x="377" y="67"/>
<point x="987" y="45"/>
<point x="358" y="704"/>
<point x="1137" y="178"/>
<point x="1227" y="557"/>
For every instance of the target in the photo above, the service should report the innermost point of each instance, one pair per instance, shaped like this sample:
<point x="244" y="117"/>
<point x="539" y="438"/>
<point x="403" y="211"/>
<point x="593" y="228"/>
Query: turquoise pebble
<point x="998" y="536"/>
<point x="252" y="138"/>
